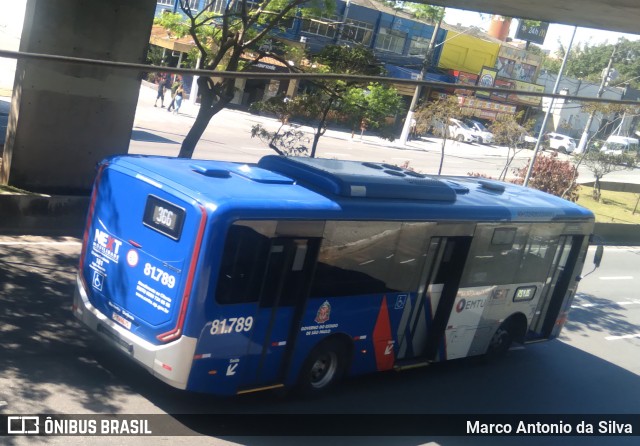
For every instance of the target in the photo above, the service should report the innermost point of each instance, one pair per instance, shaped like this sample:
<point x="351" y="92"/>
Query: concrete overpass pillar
<point x="66" y="117"/>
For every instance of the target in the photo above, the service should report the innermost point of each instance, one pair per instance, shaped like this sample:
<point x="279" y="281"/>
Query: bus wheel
<point x="323" y="368"/>
<point x="500" y="342"/>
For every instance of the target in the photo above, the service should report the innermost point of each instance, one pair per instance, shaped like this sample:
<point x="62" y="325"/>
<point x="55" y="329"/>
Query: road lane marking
<point x="617" y="278"/>
<point x="629" y="336"/>
<point x="630" y="302"/>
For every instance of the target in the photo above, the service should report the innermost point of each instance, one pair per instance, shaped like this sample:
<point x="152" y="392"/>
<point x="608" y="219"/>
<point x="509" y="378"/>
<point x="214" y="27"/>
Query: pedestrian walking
<point x="412" y="129"/>
<point x="174" y="88"/>
<point x="161" y="89"/>
<point x="178" y="99"/>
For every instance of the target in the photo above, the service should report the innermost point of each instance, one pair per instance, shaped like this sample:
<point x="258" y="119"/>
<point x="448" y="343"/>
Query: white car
<point x="483" y="134"/>
<point x="561" y="143"/>
<point x="459" y="131"/>
<point x="617" y="145"/>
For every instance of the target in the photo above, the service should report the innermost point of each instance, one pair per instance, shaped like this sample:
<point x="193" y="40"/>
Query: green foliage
<point x="551" y="175"/>
<point x="371" y="106"/>
<point x="353" y="100"/>
<point x="426" y="12"/>
<point x="434" y="116"/>
<point x="601" y="164"/>
<point x="587" y="61"/>
<point x="222" y="40"/>
<point x="508" y="132"/>
<point x="288" y="142"/>
<point x="283" y="108"/>
<point x="154" y="55"/>
<point x="350" y="60"/>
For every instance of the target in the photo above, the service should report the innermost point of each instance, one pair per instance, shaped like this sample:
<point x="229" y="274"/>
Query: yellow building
<point x="463" y="51"/>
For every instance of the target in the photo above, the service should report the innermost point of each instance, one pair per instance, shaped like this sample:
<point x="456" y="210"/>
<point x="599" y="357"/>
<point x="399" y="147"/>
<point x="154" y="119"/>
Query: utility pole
<point x="536" y="149"/>
<point x="416" y="94"/>
<point x="585" y="134"/>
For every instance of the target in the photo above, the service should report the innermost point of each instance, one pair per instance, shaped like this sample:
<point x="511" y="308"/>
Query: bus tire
<point x="501" y="341"/>
<point x="323" y="368"/>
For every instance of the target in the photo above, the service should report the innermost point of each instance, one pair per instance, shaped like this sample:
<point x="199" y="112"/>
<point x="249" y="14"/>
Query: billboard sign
<point x="487" y="79"/>
<point x="532" y="31"/>
<point x="526" y="100"/>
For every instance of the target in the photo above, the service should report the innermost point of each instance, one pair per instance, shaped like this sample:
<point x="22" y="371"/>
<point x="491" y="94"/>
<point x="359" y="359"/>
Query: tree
<point x="369" y="107"/>
<point x="587" y="61"/>
<point x="426" y="12"/>
<point x="507" y="132"/>
<point x="222" y="39"/>
<point x="601" y="164"/>
<point x="594" y="144"/>
<point x="285" y="140"/>
<point x="360" y="103"/>
<point x="435" y="115"/>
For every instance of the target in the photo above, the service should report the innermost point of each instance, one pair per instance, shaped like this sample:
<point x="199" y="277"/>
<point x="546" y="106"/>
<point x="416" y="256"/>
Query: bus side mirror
<point x="597" y="258"/>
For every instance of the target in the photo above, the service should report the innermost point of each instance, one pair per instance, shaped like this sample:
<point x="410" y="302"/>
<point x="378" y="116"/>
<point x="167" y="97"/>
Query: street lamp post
<point x="416" y="94"/>
<point x="536" y="149"/>
<point x="585" y="134"/>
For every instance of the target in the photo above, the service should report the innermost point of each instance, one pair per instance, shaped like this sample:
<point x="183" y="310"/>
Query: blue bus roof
<point x="315" y="188"/>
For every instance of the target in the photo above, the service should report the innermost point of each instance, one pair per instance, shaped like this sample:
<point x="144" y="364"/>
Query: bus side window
<point x="355" y="259"/>
<point x="495" y="256"/>
<point x="243" y="263"/>
<point x="537" y="258"/>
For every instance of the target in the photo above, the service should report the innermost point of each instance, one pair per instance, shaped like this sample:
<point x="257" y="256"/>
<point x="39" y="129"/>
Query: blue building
<point x="397" y="39"/>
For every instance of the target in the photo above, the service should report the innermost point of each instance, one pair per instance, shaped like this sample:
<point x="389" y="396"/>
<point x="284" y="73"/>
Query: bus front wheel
<point x="323" y="368"/>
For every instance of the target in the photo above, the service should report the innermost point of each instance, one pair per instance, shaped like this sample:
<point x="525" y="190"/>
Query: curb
<point x="43" y="215"/>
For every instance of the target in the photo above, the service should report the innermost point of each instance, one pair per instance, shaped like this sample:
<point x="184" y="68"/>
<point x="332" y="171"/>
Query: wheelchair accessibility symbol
<point x="98" y="280"/>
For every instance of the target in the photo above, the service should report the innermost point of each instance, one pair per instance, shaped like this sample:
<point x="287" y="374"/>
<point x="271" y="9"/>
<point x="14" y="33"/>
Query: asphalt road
<point x="51" y="364"/>
<point x="228" y="138"/>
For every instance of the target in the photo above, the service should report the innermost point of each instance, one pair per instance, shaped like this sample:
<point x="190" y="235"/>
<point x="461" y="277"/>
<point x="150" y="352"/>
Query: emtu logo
<point x="461" y="305"/>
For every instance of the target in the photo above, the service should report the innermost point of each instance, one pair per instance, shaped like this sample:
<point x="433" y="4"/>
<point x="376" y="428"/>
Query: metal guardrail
<point x="326" y="76"/>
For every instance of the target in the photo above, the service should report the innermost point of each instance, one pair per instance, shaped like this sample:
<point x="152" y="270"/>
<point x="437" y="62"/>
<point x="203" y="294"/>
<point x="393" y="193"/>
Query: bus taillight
<point x="92" y="205"/>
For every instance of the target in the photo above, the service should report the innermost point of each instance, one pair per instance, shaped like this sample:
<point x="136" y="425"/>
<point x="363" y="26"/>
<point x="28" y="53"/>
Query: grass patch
<point x="614" y="207"/>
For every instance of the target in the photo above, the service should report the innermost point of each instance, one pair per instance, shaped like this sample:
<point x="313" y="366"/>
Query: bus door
<point x="283" y="294"/>
<point x="558" y="282"/>
<point x="447" y="280"/>
<point x="412" y="330"/>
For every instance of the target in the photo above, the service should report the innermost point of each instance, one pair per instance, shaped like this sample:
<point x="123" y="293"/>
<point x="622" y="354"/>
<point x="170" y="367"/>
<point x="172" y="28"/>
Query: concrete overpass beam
<point x="66" y="117"/>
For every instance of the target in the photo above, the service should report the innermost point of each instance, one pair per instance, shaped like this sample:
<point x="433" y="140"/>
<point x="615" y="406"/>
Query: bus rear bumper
<point x="170" y="362"/>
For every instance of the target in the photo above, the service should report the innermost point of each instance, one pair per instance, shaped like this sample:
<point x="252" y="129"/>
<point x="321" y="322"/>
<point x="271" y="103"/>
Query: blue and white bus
<point x="295" y="272"/>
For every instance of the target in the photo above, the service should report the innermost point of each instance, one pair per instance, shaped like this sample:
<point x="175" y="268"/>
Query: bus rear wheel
<point x="323" y="368"/>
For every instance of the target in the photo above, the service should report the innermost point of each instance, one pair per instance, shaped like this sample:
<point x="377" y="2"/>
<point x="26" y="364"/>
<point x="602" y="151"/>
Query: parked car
<point x="561" y="143"/>
<point x="459" y="131"/>
<point x="617" y="145"/>
<point x="483" y="134"/>
<point x="526" y="140"/>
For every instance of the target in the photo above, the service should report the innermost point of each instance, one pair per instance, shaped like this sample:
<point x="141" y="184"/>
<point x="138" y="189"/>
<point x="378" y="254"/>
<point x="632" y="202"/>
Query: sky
<point x="555" y="31"/>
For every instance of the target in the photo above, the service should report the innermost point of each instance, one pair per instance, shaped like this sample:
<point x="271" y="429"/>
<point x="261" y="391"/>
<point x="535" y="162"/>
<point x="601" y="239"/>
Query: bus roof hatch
<point x="358" y="179"/>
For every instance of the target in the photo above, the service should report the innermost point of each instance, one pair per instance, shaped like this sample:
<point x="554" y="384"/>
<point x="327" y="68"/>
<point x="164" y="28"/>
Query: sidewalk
<point x="427" y="144"/>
